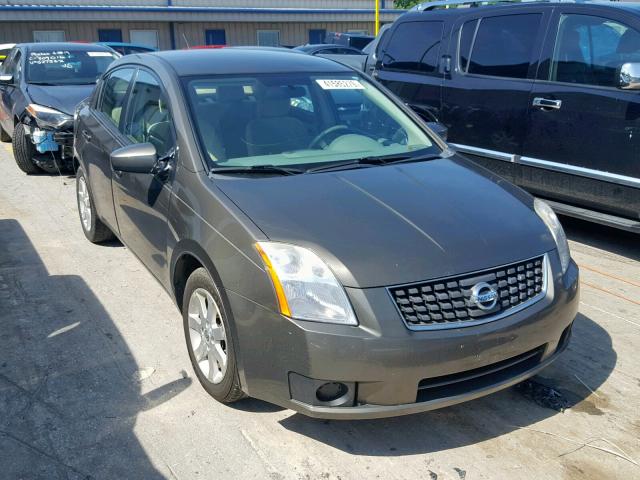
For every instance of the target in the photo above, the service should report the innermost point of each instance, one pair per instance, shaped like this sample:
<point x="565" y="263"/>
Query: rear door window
<point x="114" y="94"/>
<point x="414" y="46"/>
<point x="503" y="45"/>
<point x="590" y="50"/>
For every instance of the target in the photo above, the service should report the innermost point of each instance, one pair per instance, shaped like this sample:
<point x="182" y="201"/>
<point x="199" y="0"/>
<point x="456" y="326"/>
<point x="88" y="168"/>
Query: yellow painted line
<point x="625" y="280"/>
<point x="609" y="292"/>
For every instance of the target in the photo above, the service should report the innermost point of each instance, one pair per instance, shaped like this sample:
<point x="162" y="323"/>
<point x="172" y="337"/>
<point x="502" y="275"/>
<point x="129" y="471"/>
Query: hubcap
<point x="84" y="203"/>
<point x="207" y="335"/>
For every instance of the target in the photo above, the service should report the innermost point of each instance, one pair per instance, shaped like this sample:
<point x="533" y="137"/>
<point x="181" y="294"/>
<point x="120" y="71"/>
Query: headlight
<point x="48" y="117"/>
<point x="549" y="217"/>
<point x="305" y="287"/>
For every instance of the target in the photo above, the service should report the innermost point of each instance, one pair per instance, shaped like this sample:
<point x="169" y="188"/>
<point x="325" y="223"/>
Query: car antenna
<point x="186" y="41"/>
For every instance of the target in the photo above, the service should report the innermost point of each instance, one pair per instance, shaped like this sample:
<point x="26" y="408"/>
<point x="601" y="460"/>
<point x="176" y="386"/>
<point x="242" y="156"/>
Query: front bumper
<point x="389" y="369"/>
<point x="53" y="147"/>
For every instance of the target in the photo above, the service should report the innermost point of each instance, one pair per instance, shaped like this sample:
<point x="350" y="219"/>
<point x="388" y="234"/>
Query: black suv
<point x="544" y="93"/>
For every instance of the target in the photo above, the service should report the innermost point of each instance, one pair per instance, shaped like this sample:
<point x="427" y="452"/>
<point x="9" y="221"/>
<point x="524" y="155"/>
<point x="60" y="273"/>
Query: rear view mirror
<point x="6" y="79"/>
<point x="136" y="158"/>
<point x="629" y="78"/>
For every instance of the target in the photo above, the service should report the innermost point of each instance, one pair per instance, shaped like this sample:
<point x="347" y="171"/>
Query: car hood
<point x="390" y="225"/>
<point x="61" y="97"/>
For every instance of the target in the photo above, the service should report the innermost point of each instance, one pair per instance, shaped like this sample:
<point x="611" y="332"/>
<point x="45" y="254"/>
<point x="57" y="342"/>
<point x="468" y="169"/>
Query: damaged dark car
<point x="40" y="86"/>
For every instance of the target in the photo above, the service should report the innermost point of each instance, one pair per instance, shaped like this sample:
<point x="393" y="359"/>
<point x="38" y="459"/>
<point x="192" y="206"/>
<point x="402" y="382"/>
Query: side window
<point x="114" y="92"/>
<point x="503" y="45"/>
<point x="12" y="65"/>
<point x="589" y="50"/>
<point x="414" y="46"/>
<point x="467" y="34"/>
<point x="148" y="117"/>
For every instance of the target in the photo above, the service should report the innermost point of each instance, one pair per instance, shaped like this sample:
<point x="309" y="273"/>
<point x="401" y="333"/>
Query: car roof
<point x="245" y="60"/>
<point x="48" y="46"/>
<point x="318" y="46"/>
<point x="471" y="6"/>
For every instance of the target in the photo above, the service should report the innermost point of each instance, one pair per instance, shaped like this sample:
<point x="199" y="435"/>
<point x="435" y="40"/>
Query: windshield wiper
<point x="46" y="84"/>
<point x="380" y="160"/>
<point x="258" y="169"/>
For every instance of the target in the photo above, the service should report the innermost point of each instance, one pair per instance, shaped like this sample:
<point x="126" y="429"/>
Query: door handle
<point x="87" y="136"/>
<point x="547" y="103"/>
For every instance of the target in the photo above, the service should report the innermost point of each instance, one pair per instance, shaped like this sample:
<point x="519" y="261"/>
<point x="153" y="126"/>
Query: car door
<point x="583" y="133"/>
<point x="142" y="199"/>
<point x="10" y="93"/>
<point x="98" y="133"/>
<point x="494" y="56"/>
<point x="408" y="64"/>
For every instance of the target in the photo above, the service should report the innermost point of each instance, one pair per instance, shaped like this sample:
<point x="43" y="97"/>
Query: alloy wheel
<point x="84" y="204"/>
<point x="208" y="336"/>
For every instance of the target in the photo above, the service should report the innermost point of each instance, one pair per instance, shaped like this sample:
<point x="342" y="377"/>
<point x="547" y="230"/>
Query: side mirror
<point x="136" y="158"/>
<point x="629" y="77"/>
<point x="6" y="79"/>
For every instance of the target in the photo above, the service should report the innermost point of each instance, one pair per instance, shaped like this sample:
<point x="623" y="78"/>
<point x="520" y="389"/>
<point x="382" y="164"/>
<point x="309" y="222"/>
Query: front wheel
<point x="92" y="226"/>
<point x="23" y="150"/>
<point x="208" y="337"/>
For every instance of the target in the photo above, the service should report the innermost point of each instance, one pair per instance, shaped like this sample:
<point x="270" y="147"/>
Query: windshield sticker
<point x="100" y="54"/>
<point x="340" y="84"/>
<point x="49" y="58"/>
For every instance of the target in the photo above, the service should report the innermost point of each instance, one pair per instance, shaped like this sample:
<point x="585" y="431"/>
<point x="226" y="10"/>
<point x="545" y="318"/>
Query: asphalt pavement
<point x="95" y="380"/>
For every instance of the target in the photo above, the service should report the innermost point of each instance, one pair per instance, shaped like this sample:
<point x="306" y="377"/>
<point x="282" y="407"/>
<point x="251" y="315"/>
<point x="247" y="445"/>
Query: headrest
<point x="230" y="93"/>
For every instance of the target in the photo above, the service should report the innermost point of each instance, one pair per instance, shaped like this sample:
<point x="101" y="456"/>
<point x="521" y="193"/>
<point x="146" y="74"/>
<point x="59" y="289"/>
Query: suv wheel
<point x="23" y="150"/>
<point x="92" y="226"/>
<point x="208" y="338"/>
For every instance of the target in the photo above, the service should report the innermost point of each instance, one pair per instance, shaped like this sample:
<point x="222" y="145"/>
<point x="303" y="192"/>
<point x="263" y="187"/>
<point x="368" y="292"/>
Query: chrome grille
<point x="447" y="302"/>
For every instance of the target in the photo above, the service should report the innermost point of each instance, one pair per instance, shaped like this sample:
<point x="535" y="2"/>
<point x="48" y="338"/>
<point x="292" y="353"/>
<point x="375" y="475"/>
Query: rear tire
<point x="206" y="325"/>
<point x="23" y="151"/>
<point x="92" y="226"/>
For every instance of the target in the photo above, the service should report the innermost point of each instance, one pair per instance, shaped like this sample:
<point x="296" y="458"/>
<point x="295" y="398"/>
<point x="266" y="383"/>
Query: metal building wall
<point x="237" y="33"/>
<point x="245" y="33"/>
<point x="16" y="32"/>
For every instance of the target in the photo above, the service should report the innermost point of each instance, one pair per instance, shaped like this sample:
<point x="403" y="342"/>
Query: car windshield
<point x="67" y="67"/>
<point x="299" y="120"/>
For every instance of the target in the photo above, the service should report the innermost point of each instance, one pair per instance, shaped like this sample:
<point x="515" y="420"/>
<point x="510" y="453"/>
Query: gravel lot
<point x="95" y="380"/>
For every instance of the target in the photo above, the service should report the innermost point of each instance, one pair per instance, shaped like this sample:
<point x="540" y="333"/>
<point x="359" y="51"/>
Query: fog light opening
<point x="331" y="391"/>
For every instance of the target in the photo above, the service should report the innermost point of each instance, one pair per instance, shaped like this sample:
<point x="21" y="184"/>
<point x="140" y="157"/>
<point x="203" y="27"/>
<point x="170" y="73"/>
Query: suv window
<point x="114" y="94"/>
<point x="503" y="45"/>
<point x="414" y="46"/>
<point x="148" y="118"/>
<point x="590" y="50"/>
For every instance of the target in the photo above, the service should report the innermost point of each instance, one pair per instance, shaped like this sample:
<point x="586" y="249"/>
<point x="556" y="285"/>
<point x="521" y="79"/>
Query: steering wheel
<point x="316" y="141"/>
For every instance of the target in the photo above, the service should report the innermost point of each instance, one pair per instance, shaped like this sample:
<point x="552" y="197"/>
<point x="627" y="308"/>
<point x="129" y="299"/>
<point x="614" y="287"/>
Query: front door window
<point x="589" y="50"/>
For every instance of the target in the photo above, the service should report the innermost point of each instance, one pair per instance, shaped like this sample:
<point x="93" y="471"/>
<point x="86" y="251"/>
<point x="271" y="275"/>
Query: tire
<point x="4" y="136"/>
<point x="223" y="384"/>
<point x="23" y="151"/>
<point x="92" y="226"/>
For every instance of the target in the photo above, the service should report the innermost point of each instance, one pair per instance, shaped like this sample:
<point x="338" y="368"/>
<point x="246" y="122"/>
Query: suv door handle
<point x="547" y="103"/>
<point x="87" y="136"/>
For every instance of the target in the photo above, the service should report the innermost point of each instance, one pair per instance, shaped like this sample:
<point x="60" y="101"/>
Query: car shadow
<point x="589" y="359"/>
<point x="69" y="385"/>
<point x="619" y="242"/>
